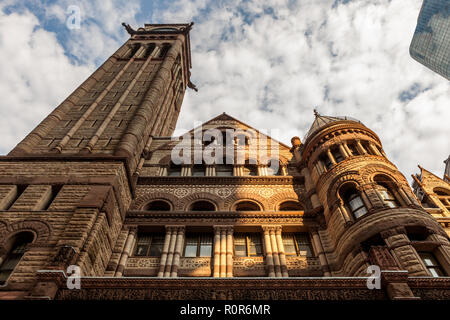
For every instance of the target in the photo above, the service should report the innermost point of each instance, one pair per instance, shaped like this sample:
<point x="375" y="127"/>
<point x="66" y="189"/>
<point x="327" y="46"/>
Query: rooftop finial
<point x="316" y="113"/>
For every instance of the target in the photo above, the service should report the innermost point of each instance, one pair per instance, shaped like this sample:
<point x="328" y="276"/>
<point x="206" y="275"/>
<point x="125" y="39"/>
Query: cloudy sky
<point x="266" y="62"/>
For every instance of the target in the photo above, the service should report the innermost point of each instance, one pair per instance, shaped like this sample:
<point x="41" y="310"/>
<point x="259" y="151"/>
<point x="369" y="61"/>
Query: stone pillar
<point x="284" y="171"/>
<point x="223" y="253"/>
<point x="165" y="251"/>
<point x="177" y="253"/>
<point x="349" y="152"/>
<point x="268" y="247"/>
<point x="281" y="253"/>
<point x="374" y="149"/>
<point x="216" y="271"/>
<point x="163" y="171"/>
<point x="321" y="253"/>
<point x="276" y="258"/>
<point x="360" y="147"/>
<point x="343" y="151"/>
<point x="330" y="155"/>
<point x="229" y="268"/>
<point x="126" y="252"/>
<point x="343" y="212"/>
<point x="173" y="240"/>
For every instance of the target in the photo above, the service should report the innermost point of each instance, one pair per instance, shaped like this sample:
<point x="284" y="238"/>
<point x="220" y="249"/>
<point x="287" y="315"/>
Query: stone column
<point x="330" y="155"/>
<point x="281" y="253"/>
<point x="268" y="247"/>
<point x="343" y="212"/>
<point x="229" y="268"/>
<point x="165" y="251"/>
<point x="374" y="149"/>
<point x="177" y="253"/>
<point x="343" y="151"/>
<point x="321" y="253"/>
<point x="349" y="152"/>
<point x="173" y="241"/>
<point x="276" y="258"/>
<point x="216" y="271"/>
<point x="223" y="252"/>
<point x="125" y="253"/>
<point x="360" y="147"/>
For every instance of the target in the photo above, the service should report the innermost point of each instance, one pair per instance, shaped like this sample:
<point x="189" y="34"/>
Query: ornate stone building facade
<point x="96" y="185"/>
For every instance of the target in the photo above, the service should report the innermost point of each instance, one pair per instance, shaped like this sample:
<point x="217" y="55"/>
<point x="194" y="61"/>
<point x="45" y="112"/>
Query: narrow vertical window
<point x="431" y="264"/>
<point x="14" y="256"/>
<point x="247" y="245"/>
<point x="149" y="245"/>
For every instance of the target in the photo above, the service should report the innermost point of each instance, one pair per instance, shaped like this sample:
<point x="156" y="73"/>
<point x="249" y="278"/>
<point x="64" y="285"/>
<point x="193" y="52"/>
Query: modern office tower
<point x="431" y="41"/>
<point x="102" y="187"/>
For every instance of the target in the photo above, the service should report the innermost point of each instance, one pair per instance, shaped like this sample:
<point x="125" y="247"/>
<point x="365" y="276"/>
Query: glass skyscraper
<point x="431" y="42"/>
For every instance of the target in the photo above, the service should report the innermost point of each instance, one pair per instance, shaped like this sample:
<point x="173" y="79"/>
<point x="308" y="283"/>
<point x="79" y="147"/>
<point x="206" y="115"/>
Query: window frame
<point x="152" y="235"/>
<point x="198" y="237"/>
<point x="246" y="237"/>
<point x="295" y="238"/>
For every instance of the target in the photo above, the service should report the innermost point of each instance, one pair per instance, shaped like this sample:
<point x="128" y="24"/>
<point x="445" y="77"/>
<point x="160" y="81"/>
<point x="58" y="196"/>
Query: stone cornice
<point x="264" y="180"/>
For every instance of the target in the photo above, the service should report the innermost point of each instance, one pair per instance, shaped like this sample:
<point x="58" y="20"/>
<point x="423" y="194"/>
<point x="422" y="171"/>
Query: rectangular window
<point x="198" y="245"/>
<point x="297" y="244"/>
<point x="149" y="245"/>
<point x="246" y="245"/>
<point x="431" y="263"/>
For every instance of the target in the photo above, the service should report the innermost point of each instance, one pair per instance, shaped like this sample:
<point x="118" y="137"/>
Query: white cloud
<point x="36" y="75"/>
<point x="272" y="72"/>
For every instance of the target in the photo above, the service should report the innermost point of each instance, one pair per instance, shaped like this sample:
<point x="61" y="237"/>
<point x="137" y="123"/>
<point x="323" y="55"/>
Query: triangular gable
<point x="223" y="117"/>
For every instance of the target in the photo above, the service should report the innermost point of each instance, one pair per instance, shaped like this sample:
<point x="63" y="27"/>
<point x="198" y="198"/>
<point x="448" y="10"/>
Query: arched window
<point x="290" y="206"/>
<point x="388" y="197"/>
<point x="202" y="205"/>
<point x="17" y="250"/>
<point x="247" y="206"/>
<point x="353" y="202"/>
<point x="158" y="205"/>
<point x="385" y="187"/>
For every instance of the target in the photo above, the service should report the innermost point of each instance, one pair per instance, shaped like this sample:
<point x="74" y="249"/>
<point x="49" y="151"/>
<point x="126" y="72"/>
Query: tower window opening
<point x="149" y="50"/>
<point x="337" y="155"/>
<point x="164" y="50"/>
<point x="326" y="161"/>
<point x="198" y="245"/>
<point x="149" y="244"/>
<point x="352" y="147"/>
<point x="247" y="245"/>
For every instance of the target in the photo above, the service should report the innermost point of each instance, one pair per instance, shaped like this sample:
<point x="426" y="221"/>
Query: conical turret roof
<point x="322" y="121"/>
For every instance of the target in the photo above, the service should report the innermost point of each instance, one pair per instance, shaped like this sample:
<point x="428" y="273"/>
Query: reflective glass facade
<point x="431" y="42"/>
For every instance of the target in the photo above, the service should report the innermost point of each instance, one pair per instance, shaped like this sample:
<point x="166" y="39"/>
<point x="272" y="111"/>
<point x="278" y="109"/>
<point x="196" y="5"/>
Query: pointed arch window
<point x="15" y="254"/>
